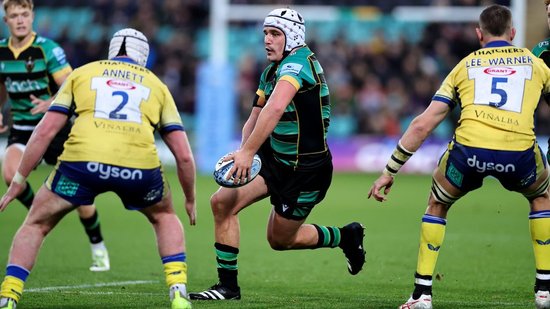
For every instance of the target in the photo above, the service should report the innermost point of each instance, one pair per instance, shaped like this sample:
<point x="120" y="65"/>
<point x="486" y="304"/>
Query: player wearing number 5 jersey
<point x="118" y="105"/>
<point x="497" y="88"/>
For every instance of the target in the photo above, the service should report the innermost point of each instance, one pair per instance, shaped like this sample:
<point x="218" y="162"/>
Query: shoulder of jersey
<point x="40" y="40"/>
<point x="543" y="45"/>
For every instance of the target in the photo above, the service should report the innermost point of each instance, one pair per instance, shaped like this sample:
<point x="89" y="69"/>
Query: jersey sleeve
<point x="170" y="119"/>
<point x="263" y="82"/>
<point x="541" y="50"/>
<point x="297" y="72"/>
<point x="56" y="59"/>
<point x="294" y="73"/>
<point x="545" y="75"/>
<point x="447" y="91"/>
<point x="64" y="98"/>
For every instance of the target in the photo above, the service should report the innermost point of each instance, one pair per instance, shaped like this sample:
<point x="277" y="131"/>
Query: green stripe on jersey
<point x="286" y="128"/>
<point x="284" y="148"/>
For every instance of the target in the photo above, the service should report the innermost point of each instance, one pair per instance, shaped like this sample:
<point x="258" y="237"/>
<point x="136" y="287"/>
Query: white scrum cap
<point x="291" y="23"/>
<point x="131" y="43"/>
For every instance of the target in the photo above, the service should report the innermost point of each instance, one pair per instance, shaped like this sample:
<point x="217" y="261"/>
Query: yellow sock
<point x="176" y="272"/>
<point x="12" y="287"/>
<point x="432" y="232"/>
<point x="540" y="235"/>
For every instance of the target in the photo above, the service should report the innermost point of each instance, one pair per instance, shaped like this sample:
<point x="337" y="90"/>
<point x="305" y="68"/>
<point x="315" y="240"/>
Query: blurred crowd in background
<point x="377" y="84"/>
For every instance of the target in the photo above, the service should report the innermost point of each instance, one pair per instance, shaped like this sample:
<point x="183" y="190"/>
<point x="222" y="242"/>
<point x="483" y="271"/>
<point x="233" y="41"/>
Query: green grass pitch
<point x="486" y="260"/>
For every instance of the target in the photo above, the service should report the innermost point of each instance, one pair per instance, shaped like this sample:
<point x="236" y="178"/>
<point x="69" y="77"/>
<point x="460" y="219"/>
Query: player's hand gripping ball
<point x="221" y="172"/>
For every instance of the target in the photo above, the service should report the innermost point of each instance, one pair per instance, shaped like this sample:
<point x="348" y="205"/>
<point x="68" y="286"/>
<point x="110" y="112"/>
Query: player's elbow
<point x="421" y="128"/>
<point x="186" y="159"/>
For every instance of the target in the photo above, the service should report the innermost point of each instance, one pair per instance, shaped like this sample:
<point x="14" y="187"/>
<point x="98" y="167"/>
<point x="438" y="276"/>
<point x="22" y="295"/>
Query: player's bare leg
<point x="171" y="247"/>
<point x="28" y="240"/>
<point x="226" y="203"/>
<point x="287" y="234"/>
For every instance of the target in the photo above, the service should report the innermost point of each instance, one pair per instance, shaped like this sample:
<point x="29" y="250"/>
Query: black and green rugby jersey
<point x="542" y="50"/>
<point x="30" y="70"/>
<point x="300" y="137"/>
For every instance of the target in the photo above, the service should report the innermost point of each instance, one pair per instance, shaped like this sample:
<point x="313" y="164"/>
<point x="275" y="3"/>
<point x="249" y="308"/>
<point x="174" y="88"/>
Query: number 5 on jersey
<point x="500" y="86"/>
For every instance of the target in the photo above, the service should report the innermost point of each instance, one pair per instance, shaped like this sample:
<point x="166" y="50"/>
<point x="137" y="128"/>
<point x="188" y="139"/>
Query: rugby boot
<point x="7" y="303"/>
<point x="100" y="260"/>
<point x="542" y="299"/>
<point x="178" y="297"/>
<point x="423" y="302"/>
<point x="353" y="246"/>
<point x="217" y="292"/>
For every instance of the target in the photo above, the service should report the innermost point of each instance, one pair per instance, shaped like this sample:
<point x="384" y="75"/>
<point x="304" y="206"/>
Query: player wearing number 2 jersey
<point x="120" y="117"/>
<point x="497" y="88"/>
<point x="118" y="105"/>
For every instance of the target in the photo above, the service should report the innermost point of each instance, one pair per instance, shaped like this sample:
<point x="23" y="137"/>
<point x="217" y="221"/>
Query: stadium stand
<point x="381" y="71"/>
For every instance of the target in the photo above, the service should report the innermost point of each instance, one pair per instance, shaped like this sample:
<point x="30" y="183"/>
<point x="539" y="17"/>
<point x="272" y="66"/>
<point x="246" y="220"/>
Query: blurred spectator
<point x="376" y="83"/>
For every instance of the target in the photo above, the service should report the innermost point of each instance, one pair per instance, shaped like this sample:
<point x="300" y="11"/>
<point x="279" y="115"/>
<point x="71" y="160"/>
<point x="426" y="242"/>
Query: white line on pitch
<point x="103" y="293"/>
<point x="84" y="286"/>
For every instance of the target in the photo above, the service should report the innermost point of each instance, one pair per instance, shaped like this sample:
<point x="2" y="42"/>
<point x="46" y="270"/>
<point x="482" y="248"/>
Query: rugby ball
<point x="221" y="172"/>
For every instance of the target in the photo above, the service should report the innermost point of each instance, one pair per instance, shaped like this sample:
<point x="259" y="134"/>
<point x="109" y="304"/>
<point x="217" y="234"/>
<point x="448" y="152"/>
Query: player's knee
<point x="37" y="226"/>
<point x="216" y="203"/>
<point x="220" y="206"/>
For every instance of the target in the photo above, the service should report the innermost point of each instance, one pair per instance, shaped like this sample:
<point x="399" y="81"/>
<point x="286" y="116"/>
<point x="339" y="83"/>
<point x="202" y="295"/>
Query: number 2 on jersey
<point x="118" y="99"/>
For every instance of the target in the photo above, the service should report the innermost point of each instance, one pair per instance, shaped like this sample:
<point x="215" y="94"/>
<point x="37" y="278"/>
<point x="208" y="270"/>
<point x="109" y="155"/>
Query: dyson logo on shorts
<point x="490" y="166"/>
<point x="108" y="171"/>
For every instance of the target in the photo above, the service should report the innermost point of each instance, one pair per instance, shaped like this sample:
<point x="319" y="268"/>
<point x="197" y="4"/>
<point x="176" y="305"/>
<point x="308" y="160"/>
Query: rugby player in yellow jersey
<point x="118" y="105"/>
<point x="31" y="71"/>
<point x="497" y="88"/>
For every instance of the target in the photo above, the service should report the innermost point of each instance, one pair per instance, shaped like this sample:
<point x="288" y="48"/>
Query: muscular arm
<point x="269" y="116"/>
<point x="419" y="129"/>
<point x="250" y="123"/>
<point x="265" y="123"/>
<point x="40" y="139"/>
<point x="423" y="125"/>
<point x="178" y="143"/>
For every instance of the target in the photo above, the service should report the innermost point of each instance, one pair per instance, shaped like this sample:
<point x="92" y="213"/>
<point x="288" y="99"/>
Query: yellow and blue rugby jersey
<point x="118" y="105"/>
<point x="498" y="88"/>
